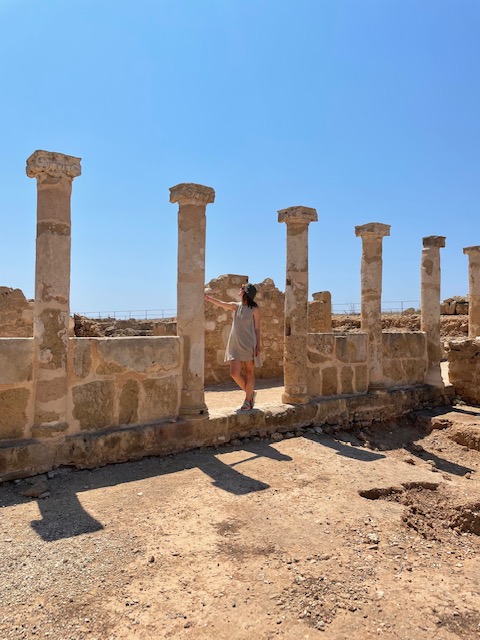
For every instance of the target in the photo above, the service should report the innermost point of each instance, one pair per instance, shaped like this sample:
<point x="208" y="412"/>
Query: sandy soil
<point x="322" y="535"/>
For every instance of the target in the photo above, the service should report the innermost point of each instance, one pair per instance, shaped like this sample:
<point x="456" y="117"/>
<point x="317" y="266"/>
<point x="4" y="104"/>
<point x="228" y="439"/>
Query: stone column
<point x="372" y="235"/>
<point x="297" y="220"/>
<point x="192" y="203"/>
<point x="430" y="306"/>
<point x="54" y="173"/>
<point x="473" y="254"/>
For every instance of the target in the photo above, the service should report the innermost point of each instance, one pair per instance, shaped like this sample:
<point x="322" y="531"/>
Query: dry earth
<point x="311" y="535"/>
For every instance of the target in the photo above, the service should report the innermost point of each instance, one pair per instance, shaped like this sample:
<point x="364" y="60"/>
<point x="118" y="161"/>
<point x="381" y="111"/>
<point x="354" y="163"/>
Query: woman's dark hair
<point x="248" y="301"/>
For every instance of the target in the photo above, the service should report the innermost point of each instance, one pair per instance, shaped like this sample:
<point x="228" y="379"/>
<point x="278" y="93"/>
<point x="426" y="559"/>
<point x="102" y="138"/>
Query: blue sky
<point x="367" y="110"/>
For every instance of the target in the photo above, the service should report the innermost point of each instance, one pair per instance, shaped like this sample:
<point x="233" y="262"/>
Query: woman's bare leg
<point x="249" y="379"/>
<point x="237" y="374"/>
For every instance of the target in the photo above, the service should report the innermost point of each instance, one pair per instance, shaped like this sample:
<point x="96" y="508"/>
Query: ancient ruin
<point x="86" y="401"/>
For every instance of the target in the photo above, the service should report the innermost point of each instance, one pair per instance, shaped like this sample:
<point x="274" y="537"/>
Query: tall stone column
<point x="473" y="254"/>
<point x="372" y="235"/>
<point x="54" y="173"/>
<point x="297" y="220"/>
<point x="192" y="203"/>
<point x="430" y="306"/>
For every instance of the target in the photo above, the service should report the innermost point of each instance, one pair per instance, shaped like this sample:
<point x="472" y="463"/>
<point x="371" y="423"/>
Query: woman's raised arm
<point x="229" y="306"/>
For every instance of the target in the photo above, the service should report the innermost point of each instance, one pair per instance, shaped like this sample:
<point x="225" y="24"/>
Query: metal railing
<point x="133" y="314"/>
<point x="338" y="308"/>
<point x="354" y="308"/>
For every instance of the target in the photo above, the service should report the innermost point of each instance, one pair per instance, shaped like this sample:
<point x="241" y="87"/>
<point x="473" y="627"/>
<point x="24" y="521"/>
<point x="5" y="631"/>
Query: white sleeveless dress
<point x="242" y="340"/>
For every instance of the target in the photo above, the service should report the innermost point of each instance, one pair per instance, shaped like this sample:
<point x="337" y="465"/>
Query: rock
<point x="36" y="490"/>
<point x="373" y="538"/>
<point x="318" y="430"/>
<point x="236" y="442"/>
<point x="276" y="437"/>
<point x="409" y="460"/>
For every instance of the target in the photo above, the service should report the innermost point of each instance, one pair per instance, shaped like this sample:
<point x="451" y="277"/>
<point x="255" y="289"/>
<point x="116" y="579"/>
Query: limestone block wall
<point x="16" y="388"/>
<point x="337" y="365"/>
<point x="404" y="358"/>
<point x="16" y="314"/>
<point x="123" y="381"/>
<point x="464" y="368"/>
<point x="454" y="306"/>
<point x="218" y="323"/>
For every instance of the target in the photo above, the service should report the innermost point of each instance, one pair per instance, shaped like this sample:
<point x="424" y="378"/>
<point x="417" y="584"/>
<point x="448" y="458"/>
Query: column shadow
<point x="63" y="515"/>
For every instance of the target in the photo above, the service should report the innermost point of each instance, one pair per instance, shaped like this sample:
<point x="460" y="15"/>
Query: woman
<point x="243" y="346"/>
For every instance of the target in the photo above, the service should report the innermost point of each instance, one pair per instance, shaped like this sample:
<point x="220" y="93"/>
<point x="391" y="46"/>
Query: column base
<point x="194" y="411"/>
<point x="297" y="398"/>
<point x="434" y="377"/>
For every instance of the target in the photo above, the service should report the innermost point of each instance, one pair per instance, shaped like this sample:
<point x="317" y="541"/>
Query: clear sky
<point x="367" y="110"/>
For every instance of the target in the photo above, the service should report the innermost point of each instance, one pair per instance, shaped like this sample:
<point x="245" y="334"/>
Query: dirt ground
<point x="308" y="535"/>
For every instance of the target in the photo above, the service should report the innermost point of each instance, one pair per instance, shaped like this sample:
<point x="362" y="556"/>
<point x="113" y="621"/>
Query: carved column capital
<point x="472" y="251"/>
<point x="53" y="165"/>
<point x="297" y="215"/>
<point x="372" y="230"/>
<point x="190" y="193"/>
<point x="434" y="241"/>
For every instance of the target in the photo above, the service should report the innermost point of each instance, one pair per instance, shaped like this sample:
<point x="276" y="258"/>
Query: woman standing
<point x="243" y="346"/>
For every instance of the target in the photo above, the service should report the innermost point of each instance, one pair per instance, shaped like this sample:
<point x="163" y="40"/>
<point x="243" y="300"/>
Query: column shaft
<point x="430" y="306"/>
<point x="192" y="201"/>
<point x="295" y="362"/>
<point x="473" y="291"/>
<point x="55" y="173"/>
<point x="371" y="294"/>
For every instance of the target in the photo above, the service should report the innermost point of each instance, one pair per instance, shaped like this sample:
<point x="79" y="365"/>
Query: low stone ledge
<point x="87" y="450"/>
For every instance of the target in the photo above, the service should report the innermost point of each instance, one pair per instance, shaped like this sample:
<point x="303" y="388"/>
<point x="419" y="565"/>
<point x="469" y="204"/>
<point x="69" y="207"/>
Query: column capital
<point x="190" y="193"/>
<point x="53" y="165"/>
<point x="433" y="241"/>
<point x="472" y="251"/>
<point x="297" y="215"/>
<point x="372" y="230"/>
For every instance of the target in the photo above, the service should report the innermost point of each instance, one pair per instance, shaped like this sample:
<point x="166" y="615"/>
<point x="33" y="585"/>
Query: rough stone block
<point x="143" y="355"/>
<point x="93" y="404"/>
<point x="13" y="413"/>
<point x="361" y="378"/>
<point x="128" y="413"/>
<point x="16" y="356"/>
<point x="161" y="399"/>
<point x="351" y="348"/>
<point x="82" y="356"/>
<point x="346" y="379"/>
<point x="329" y="381"/>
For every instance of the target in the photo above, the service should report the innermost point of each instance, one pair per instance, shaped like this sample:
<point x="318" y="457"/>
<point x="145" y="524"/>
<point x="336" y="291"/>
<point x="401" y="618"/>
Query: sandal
<point x="254" y="397"/>
<point x="246" y="406"/>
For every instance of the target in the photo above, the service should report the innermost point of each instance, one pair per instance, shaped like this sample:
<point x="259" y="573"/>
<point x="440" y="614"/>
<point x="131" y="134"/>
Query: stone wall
<point x="16" y="388"/>
<point x="111" y="382"/>
<point x="404" y="358"/>
<point x="464" y="368"/>
<point x="123" y="381"/>
<point x="218" y="323"/>
<point x="16" y="314"/>
<point x="454" y="306"/>
<point x="337" y="365"/>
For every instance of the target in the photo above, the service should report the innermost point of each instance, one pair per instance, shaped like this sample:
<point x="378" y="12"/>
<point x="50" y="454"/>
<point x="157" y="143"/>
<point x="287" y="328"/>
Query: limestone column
<point x="297" y="220"/>
<point x="473" y="254"/>
<point x="430" y="306"/>
<point x="54" y="173"/>
<point x="192" y="203"/>
<point x="372" y="235"/>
